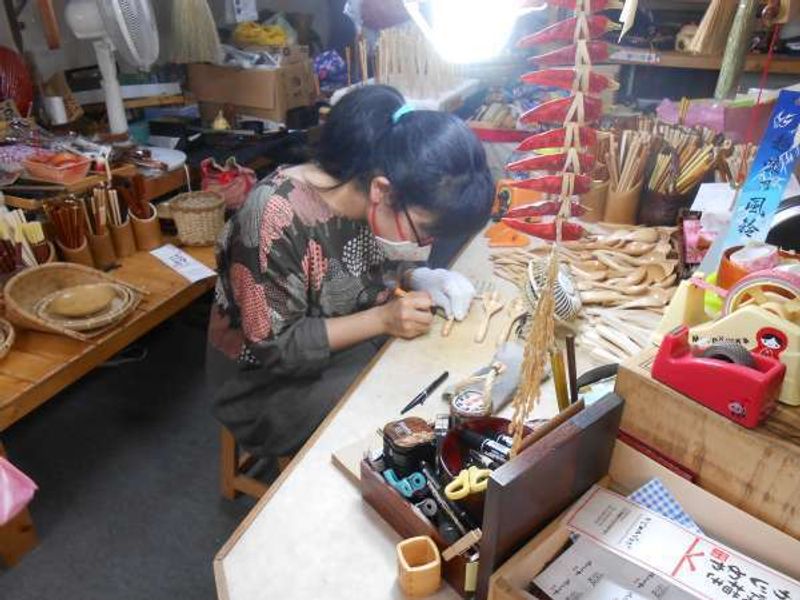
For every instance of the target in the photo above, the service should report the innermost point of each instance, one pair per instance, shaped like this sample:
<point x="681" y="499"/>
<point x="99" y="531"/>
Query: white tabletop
<point x="311" y="535"/>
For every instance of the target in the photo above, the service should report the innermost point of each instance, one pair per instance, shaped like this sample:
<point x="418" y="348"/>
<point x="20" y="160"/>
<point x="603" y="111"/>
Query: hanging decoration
<point x="567" y="161"/>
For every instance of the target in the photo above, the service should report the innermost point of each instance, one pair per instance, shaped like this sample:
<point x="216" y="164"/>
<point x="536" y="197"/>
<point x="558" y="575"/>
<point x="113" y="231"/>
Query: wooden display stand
<point x="756" y="470"/>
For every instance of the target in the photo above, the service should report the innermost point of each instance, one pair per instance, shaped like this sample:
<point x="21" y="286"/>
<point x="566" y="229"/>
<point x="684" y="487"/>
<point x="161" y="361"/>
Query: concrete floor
<point x="127" y="465"/>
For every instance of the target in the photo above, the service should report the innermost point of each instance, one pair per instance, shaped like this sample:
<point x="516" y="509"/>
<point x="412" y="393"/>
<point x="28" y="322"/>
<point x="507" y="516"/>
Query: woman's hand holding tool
<point x="448" y="289"/>
<point x="407" y="316"/>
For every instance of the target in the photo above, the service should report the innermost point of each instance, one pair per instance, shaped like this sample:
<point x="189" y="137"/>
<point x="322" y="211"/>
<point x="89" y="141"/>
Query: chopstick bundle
<point x="99" y="209"/>
<point x="13" y="230"/>
<point x="682" y="159"/>
<point x="626" y="158"/>
<point x="34" y="234"/>
<point x="69" y="221"/>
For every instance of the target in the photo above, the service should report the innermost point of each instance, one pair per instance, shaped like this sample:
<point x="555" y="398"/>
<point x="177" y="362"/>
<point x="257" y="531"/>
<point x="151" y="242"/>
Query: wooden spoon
<point x="517" y="309"/>
<point x="491" y="306"/>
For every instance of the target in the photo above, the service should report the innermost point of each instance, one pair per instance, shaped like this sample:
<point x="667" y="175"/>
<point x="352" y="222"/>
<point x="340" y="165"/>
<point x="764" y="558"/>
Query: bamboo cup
<point x="79" y="256"/>
<point x="622" y="207"/>
<point x="147" y="231"/>
<point x="595" y="201"/>
<point x="419" y="566"/>
<point x="103" y="251"/>
<point x="122" y="237"/>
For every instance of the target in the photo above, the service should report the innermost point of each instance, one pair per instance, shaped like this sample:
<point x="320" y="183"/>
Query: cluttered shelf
<point x="684" y="60"/>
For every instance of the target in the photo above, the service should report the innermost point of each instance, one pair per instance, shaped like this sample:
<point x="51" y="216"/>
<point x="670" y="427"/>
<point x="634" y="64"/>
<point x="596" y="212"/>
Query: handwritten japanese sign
<point x="695" y="563"/>
<point x="763" y="189"/>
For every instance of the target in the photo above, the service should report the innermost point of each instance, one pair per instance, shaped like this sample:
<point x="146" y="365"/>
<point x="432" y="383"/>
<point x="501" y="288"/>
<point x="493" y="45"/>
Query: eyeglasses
<point x="426" y="241"/>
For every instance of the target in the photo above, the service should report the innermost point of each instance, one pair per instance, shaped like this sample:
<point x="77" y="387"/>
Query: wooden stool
<point x="234" y="465"/>
<point x="18" y="536"/>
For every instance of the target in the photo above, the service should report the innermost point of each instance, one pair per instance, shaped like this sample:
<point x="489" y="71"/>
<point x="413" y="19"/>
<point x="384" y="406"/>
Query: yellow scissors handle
<point x="469" y="481"/>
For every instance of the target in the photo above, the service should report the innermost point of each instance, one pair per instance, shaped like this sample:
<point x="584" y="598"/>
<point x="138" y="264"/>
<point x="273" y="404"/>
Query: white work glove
<point x="449" y="290"/>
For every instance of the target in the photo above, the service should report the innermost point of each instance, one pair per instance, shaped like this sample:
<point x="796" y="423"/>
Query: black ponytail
<point x="431" y="158"/>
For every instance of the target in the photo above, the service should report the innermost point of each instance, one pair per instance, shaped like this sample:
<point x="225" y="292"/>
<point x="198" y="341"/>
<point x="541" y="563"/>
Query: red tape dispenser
<point x="725" y="377"/>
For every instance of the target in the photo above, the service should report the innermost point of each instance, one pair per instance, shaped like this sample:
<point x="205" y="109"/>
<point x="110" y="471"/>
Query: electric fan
<point x="127" y="26"/>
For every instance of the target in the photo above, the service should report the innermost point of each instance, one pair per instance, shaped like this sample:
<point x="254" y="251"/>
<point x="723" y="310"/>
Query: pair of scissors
<point x="469" y="481"/>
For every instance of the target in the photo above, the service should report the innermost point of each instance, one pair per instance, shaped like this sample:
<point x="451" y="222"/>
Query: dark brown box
<point x="523" y="495"/>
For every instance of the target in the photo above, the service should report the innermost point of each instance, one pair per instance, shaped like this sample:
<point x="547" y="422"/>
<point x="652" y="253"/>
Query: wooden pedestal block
<point x="756" y="470"/>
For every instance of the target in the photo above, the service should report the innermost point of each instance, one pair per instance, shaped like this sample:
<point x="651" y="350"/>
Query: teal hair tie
<point x="403" y="110"/>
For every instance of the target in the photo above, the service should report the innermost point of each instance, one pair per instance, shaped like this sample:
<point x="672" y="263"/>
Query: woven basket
<point x="7" y="337"/>
<point x="27" y="289"/>
<point x="199" y="217"/>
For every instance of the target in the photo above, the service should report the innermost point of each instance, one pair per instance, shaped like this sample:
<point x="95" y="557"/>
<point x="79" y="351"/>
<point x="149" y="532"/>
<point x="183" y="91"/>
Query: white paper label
<point x="180" y="262"/>
<point x="699" y="565"/>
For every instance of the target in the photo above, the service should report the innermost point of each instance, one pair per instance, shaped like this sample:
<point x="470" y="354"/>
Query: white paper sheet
<point x="180" y="262"/>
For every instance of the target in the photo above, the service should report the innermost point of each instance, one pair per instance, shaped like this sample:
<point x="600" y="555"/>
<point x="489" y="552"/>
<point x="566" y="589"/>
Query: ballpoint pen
<point x="423" y="395"/>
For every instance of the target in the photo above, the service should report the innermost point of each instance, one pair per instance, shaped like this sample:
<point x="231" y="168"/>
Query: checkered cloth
<point x="655" y="496"/>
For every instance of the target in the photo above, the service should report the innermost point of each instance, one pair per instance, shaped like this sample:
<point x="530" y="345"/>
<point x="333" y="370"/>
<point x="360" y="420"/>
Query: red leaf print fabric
<point x="315" y="265"/>
<point x="252" y="303"/>
<point x="277" y="217"/>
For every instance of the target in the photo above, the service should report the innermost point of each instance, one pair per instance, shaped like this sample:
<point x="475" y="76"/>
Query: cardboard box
<point x="268" y="94"/>
<point x="757" y="470"/>
<point x="629" y="470"/>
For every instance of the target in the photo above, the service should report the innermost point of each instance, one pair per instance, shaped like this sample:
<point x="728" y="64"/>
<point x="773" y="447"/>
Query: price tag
<point x="636" y="56"/>
<point x="180" y="262"/>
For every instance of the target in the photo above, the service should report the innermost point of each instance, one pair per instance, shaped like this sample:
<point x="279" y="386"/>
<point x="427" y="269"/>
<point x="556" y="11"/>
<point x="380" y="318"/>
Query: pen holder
<point x="419" y="566"/>
<point x="102" y="249"/>
<point x="594" y="201"/>
<point x="80" y="256"/>
<point x="622" y="206"/>
<point x="122" y="237"/>
<point x="147" y="232"/>
<point x="662" y="209"/>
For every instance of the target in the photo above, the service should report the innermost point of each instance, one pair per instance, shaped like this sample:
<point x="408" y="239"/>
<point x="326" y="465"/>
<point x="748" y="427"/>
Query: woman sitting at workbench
<point x="303" y="299"/>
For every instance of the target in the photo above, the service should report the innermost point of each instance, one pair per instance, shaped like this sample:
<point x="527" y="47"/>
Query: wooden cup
<point x="622" y="207"/>
<point x="103" y="251"/>
<point x="122" y="237"/>
<point x="419" y="566"/>
<point x="595" y="201"/>
<point x="79" y="256"/>
<point x="147" y="231"/>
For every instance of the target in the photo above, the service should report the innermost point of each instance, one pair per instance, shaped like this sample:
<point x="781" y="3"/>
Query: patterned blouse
<point x="287" y="262"/>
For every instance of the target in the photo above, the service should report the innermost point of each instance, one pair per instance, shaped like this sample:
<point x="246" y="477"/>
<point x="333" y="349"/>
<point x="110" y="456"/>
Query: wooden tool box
<point x="523" y="496"/>
<point x="757" y="470"/>
<point x="629" y="470"/>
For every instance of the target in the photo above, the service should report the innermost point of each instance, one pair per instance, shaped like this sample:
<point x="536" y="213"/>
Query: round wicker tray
<point x="7" y="337"/>
<point x="28" y="288"/>
<point x="119" y="307"/>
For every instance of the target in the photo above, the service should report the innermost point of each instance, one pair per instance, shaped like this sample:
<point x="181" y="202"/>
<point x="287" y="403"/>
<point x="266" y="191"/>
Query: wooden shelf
<point x="682" y="60"/>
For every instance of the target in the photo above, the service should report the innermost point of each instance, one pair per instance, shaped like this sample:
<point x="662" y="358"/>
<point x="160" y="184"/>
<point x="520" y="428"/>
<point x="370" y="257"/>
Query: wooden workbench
<point x="310" y="535"/>
<point x="41" y="364"/>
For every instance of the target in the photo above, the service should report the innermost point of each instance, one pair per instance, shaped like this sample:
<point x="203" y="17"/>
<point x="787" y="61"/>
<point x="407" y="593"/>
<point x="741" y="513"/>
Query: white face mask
<point x="403" y="251"/>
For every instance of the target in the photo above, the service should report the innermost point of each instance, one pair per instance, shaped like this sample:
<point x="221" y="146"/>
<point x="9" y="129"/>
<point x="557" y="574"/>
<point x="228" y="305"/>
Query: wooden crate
<point x="756" y="470"/>
<point x="629" y="470"/>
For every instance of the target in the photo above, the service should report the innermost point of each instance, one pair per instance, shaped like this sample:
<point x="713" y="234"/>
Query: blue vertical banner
<point x="763" y="189"/>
